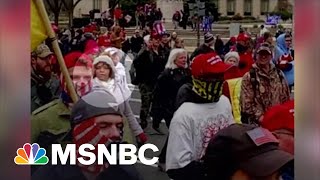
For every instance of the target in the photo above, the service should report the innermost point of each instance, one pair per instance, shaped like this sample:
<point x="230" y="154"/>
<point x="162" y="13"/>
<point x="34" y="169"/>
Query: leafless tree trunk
<point x="69" y="5"/>
<point x="55" y="7"/>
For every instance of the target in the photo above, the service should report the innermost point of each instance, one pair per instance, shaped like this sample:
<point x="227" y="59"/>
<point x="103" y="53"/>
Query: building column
<point x="223" y="7"/>
<point x="104" y="5"/>
<point x="272" y="5"/>
<point x="239" y="7"/>
<point x="256" y="12"/>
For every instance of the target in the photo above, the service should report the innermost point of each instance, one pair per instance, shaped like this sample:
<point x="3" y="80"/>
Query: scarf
<point x="208" y="90"/>
<point x="109" y="85"/>
<point x="114" y="88"/>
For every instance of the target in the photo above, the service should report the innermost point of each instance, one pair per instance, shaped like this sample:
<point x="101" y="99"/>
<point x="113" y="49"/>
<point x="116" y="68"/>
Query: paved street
<point x="149" y="172"/>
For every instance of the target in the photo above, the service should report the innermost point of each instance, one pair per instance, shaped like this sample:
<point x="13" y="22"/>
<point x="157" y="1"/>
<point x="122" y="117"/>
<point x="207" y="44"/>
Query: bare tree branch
<point x="56" y="5"/>
<point x="60" y="5"/>
<point x="115" y="4"/>
<point x="75" y="4"/>
<point x="50" y="6"/>
<point x="65" y="4"/>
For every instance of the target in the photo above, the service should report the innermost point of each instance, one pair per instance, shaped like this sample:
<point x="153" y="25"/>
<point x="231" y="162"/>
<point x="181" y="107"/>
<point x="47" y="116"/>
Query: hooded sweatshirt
<point x="280" y="50"/>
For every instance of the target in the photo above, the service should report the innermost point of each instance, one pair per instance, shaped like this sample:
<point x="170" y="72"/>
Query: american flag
<point x="262" y="136"/>
<point x="158" y="27"/>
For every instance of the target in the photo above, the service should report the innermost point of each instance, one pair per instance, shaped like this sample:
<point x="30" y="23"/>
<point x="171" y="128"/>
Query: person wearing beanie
<point x="105" y="78"/>
<point x="232" y="58"/>
<point x="50" y="124"/>
<point x="95" y="119"/>
<point x="245" y="152"/>
<point x="205" y="47"/>
<point x="232" y="84"/>
<point x="120" y="60"/>
<point x="201" y="112"/>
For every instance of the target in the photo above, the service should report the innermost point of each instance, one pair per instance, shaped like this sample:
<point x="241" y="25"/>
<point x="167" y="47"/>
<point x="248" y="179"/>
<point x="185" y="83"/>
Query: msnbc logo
<point x="31" y="155"/>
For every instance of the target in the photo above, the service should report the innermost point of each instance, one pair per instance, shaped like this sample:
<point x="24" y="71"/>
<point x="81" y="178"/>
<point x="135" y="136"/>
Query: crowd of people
<point x="227" y="106"/>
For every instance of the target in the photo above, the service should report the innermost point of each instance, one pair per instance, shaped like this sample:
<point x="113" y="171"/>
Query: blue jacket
<point x="280" y="50"/>
<point x="289" y="74"/>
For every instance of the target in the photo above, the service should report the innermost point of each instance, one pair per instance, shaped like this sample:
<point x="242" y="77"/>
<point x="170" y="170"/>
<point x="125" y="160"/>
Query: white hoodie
<point x="118" y="87"/>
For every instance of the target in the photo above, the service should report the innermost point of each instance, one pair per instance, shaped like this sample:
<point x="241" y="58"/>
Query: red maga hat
<point x="209" y="63"/>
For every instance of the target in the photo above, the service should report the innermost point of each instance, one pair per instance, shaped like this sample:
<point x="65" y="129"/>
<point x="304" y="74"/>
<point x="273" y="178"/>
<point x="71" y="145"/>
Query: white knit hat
<point x="107" y="60"/>
<point x="232" y="54"/>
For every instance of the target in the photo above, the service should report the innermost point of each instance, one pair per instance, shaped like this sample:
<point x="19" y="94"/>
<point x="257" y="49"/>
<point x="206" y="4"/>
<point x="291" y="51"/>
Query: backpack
<point x="247" y="118"/>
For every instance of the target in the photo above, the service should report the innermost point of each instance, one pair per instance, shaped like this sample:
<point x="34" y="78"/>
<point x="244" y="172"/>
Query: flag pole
<point x="45" y="19"/>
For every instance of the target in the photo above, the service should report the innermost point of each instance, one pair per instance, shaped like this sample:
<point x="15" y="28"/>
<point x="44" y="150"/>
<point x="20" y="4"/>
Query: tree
<point x="70" y="5"/>
<point x="55" y="7"/>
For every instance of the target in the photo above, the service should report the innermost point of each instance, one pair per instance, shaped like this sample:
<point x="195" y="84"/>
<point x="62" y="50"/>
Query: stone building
<point x="85" y="6"/>
<point x="255" y="8"/>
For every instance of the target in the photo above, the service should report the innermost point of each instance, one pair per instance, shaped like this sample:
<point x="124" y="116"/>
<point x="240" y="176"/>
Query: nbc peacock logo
<point x="31" y="155"/>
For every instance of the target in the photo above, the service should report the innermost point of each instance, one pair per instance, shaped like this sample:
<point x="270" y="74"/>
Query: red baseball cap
<point x="279" y="117"/>
<point x="209" y="63"/>
<point x="77" y="58"/>
<point x="233" y="39"/>
<point x="242" y="37"/>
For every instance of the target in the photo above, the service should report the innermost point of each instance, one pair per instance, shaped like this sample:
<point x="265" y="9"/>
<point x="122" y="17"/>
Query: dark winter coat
<point x="166" y="90"/>
<point x="149" y="66"/>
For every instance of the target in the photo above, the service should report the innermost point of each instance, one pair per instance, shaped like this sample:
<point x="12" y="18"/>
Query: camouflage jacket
<point x="43" y="92"/>
<point x="271" y="89"/>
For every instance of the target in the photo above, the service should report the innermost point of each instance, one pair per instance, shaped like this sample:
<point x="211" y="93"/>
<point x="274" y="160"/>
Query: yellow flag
<point x="38" y="31"/>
